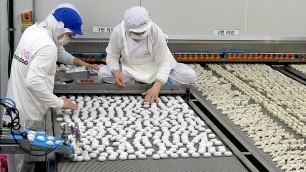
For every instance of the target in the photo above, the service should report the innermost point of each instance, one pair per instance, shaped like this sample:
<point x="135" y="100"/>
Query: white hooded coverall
<point x="31" y="81"/>
<point x="145" y="60"/>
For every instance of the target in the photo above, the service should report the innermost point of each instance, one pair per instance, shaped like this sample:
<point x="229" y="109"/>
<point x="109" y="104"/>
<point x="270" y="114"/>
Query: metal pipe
<point x="11" y="30"/>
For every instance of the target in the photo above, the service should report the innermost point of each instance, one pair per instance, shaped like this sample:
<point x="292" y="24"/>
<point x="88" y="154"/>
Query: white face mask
<point x="139" y="37"/>
<point x="63" y="41"/>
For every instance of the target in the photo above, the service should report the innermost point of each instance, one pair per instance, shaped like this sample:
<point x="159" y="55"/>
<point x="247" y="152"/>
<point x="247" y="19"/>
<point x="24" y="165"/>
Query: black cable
<point x="15" y="122"/>
<point x="15" y="125"/>
<point x="27" y="151"/>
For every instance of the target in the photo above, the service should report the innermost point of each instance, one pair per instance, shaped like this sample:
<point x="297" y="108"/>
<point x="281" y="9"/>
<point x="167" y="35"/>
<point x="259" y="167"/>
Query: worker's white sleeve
<point x="41" y="65"/>
<point x="64" y="56"/>
<point x="163" y="73"/>
<point x="113" y="51"/>
<point x="162" y="55"/>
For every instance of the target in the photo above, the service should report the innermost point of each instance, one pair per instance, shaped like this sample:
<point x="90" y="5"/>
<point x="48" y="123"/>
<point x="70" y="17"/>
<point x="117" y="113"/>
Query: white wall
<point x="256" y="19"/>
<point x="4" y="48"/>
<point x="104" y="13"/>
<point x="19" y="8"/>
<point x="276" y="18"/>
<point x="196" y="19"/>
<point x="261" y="20"/>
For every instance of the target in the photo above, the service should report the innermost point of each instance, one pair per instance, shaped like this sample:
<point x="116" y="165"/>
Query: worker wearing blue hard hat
<point x="33" y="70"/>
<point x="70" y="18"/>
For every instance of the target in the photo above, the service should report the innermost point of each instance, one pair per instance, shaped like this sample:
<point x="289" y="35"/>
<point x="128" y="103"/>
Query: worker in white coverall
<point x="140" y="45"/>
<point x="33" y="69"/>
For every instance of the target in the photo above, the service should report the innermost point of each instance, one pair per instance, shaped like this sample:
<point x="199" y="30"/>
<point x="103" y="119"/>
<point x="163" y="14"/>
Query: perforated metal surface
<point x="225" y="164"/>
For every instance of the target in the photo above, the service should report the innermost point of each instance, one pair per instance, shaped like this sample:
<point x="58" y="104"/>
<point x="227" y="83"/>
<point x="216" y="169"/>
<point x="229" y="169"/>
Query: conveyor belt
<point x="239" y="136"/>
<point x="292" y="73"/>
<point x="169" y="164"/>
<point x="251" y="151"/>
<point x="150" y="165"/>
<point x="296" y="72"/>
<point x="111" y="89"/>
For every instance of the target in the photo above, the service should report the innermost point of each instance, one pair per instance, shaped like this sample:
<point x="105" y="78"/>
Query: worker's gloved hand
<point x="152" y="94"/>
<point x="119" y="80"/>
<point x="93" y="66"/>
<point x="69" y="105"/>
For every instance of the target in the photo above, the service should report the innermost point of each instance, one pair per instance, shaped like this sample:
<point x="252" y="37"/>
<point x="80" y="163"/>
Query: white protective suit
<point x="33" y="69"/>
<point x="32" y="76"/>
<point x="144" y="60"/>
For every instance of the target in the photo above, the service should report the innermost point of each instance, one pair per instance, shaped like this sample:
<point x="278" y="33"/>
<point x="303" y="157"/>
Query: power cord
<point x="10" y="110"/>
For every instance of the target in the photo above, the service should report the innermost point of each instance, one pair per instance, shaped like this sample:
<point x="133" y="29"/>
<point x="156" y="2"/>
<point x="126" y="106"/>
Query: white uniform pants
<point x="181" y="74"/>
<point x="18" y="163"/>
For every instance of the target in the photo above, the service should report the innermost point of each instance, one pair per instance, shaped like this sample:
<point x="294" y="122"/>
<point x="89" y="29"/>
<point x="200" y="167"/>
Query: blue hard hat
<point x="71" y="19"/>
